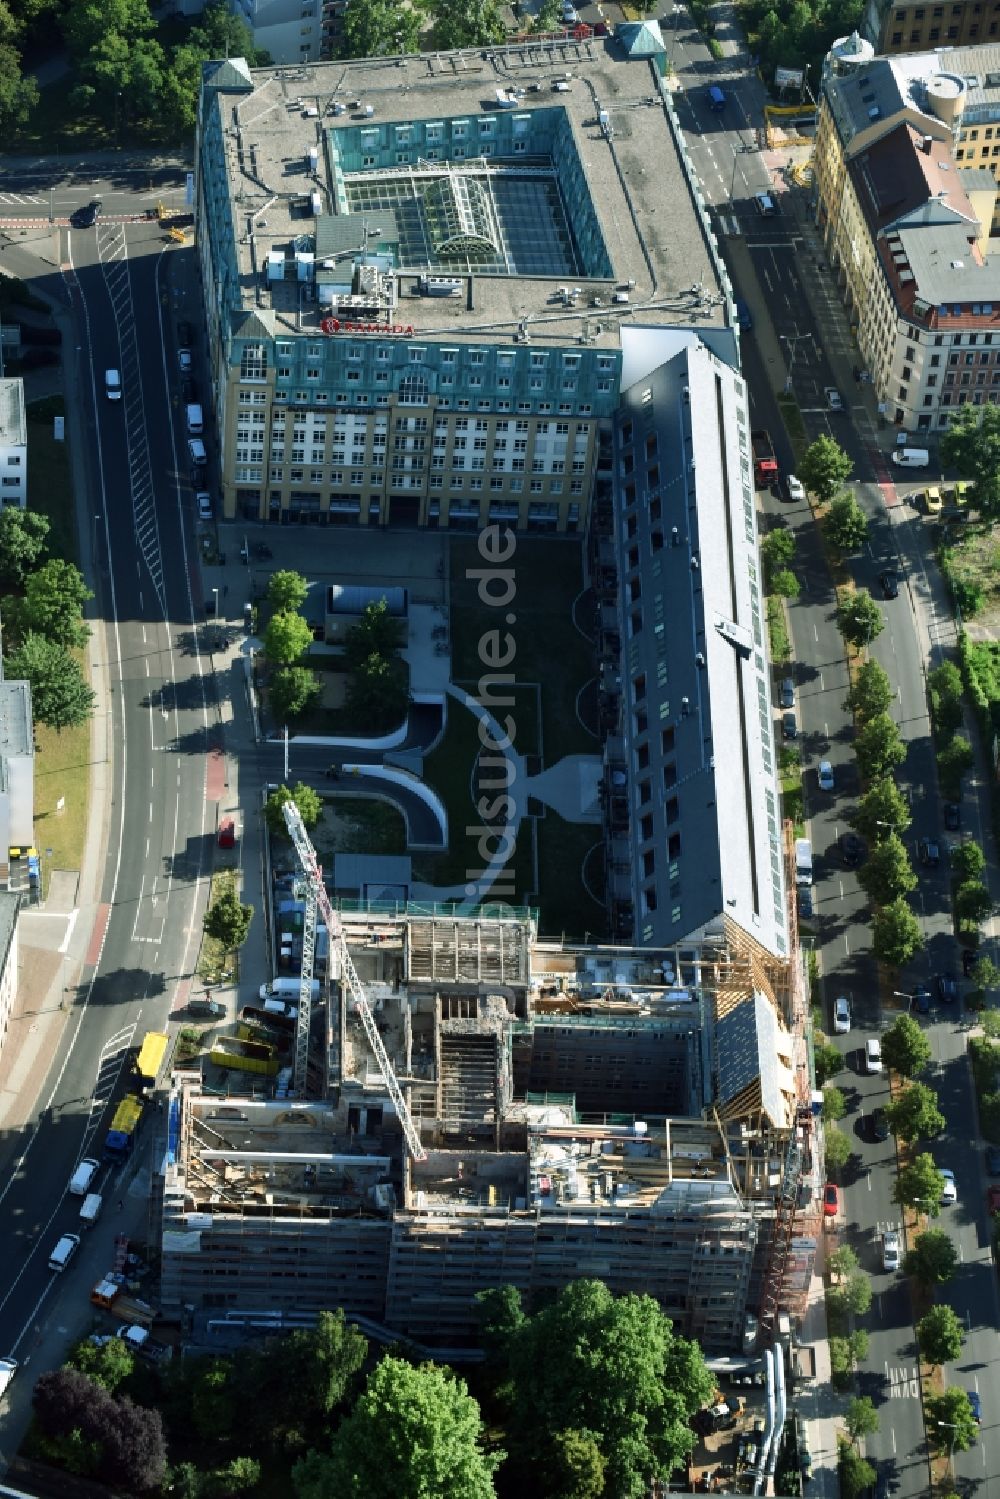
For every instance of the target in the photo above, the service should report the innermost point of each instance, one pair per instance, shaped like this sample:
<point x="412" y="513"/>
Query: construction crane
<point x="317" y="898"/>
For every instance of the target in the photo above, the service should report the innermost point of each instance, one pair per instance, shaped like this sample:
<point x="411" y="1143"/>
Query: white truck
<point x="803" y="862"/>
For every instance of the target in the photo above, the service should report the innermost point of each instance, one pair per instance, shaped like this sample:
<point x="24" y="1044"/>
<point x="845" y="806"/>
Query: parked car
<point x="87" y="216"/>
<point x="185" y="334"/>
<point x="824" y="776"/>
<point x="947" y="988"/>
<point x="921" y="1000"/>
<point x="743" y="315"/>
<point x="787" y="693"/>
<point x="795" y="488"/>
<point x="189" y="390"/>
<point x="805" y="899"/>
<point x="928" y="852"/>
<point x="184" y="361"/>
<point x="873" y="1054"/>
<point x="952" y="816"/>
<point x="841" y="1015"/>
<point x="880" y="1124"/>
<point x="889" y="580"/>
<point x="834" y="399"/>
<point x="949" y="1192"/>
<point x="852" y="849"/>
<point x="831" y="1200"/>
<point x="932" y="500"/>
<point x="204" y="500"/>
<point x="993" y="1160"/>
<point x="993" y="1200"/>
<point x="789" y="727"/>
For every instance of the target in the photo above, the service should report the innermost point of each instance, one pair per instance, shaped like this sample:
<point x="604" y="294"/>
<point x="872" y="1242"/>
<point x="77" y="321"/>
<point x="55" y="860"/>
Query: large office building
<point x="639" y="1116"/>
<point x="914" y="26"/>
<point x="418" y="272"/>
<point x="907" y="156"/>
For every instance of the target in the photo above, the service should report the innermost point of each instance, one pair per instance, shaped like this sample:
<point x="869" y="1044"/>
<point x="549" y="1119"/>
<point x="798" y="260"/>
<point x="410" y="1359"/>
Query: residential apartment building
<point x="13" y="444"/>
<point x="691" y="801"/>
<point x="914" y="26"/>
<point x="417" y="272"/>
<point x="907" y="210"/>
<point x="640" y="1116"/>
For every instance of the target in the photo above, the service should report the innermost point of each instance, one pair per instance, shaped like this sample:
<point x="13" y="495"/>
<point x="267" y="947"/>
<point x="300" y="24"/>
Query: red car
<point x="993" y="1200"/>
<point x="831" y="1200"/>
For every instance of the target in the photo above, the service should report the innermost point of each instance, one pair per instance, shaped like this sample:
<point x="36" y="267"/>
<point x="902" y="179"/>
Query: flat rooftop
<point x="543" y="178"/>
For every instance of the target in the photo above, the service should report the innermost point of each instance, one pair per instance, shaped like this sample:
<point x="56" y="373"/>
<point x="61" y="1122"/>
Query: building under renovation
<point x="640" y="1117"/>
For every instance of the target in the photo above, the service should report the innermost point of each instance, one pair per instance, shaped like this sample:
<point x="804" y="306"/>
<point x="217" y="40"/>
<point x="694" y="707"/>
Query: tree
<point x="574" y="1467"/>
<point x="783" y="584"/>
<point x="973" y="903"/>
<point x="950" y="1422"/>
<point x="377" y="633"/>
<point x="838" y="1148"/>
<point x="377" y="694"/>
<point x="53" y="602"/>
<point x="135" y="1450"/>
<point x="860" y="619"/>
<point x="985" y="973"/>
<point x="567" y="1369"/>
<point x="939" y="1336"/>
<point x="305" y="798"/>
<point x="861" y="1418"/>
<point x="896" y="934"/>
<point x="883" y="809"/>
<point x="933" y="1258"/>
<point x="944" y="691"/>
<point x="307" y="1374"/>
<point x="856" y="1476"/>
<point x="834" y="1105"/>
<point x="953" y="762"/>
<point x="287" y="591"/>
<point x="829" y="1061"/>
<point x="286" y="638"/>
<point x="887" y="872"/>
<point x="919" y="1184"/>
<point x="108" y="1366"/>
<point x="905" y="1048"/>
<point x="467" y="23"/>
<point x="914" y="1114"/>
<point x="845" y="524"/>
<point x="777" y="549"/>
<point x="879" y="748"/>
<point x="842" y="1261"/>
<point x="23" y="539"/>
<point x="548" y="17"/>
<point x="215" y="1402"/>
<point x="853" y="1296"/>
<point x="380" y="28"/>
<point x="129" y="1438"/>
<point x="972" y="446"/>
<point x="227" y="920"/>
<point x="872" y="692"/>
<point x="240" y="1475"/>
<point x="415" y="1431"/>
<point x="60" y="694"/>
<point x="18" y="91"/>
<point x="824" y="468"/>
<point x="292" y="689"/>
<point x="967" y="860"/>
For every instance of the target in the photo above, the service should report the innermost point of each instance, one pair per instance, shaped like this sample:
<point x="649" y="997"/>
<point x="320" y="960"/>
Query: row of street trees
<point x="591" y="1395"/>
<point x="43" y="628"/>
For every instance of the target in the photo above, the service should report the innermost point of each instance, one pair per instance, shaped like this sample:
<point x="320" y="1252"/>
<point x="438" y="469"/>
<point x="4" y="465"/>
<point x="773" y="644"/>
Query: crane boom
<point x="334" y="926"/>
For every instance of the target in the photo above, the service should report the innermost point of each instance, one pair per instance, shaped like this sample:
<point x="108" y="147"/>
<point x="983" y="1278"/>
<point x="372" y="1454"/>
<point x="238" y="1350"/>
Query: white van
<point x="79" y="1182"/>
<point x="8" y="1368"/>
<point x="113" y="385"/>
<point x="64" y="1251"/>
<point x="91" y="1208"/>
<point x="285" y="988"/>
<point x="195" y="420"/>
<point x="803" y="862"/>
<point x="911" y="457"/>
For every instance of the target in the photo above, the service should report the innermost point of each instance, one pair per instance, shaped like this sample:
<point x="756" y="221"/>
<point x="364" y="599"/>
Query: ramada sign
<point x="384" y="330"/>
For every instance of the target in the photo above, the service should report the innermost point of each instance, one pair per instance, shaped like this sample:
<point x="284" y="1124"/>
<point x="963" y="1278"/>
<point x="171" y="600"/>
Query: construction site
<point x="484" y="1108"/>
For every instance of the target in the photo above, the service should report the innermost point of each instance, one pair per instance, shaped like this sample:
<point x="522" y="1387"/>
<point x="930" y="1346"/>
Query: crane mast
<point x="317" y="898"/>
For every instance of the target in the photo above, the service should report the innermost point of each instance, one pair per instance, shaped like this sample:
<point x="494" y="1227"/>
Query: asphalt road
<point x="159" y="832"/>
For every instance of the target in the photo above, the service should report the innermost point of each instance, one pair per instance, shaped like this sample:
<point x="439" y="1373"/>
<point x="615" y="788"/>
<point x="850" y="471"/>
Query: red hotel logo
<point x="385" y="330"/>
